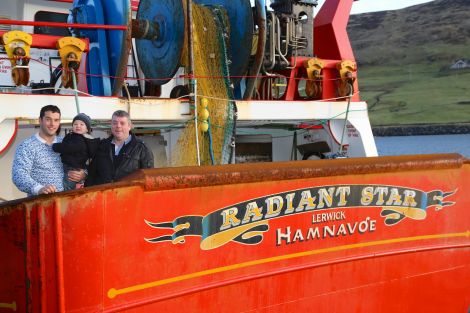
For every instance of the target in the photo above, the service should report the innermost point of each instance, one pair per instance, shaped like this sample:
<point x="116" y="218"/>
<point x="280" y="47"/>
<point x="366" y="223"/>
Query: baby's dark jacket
<point x="76" y="149"/>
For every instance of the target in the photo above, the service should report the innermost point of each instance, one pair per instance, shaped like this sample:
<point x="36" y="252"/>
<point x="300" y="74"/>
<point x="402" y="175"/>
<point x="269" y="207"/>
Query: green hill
<point x="404" y="59"/>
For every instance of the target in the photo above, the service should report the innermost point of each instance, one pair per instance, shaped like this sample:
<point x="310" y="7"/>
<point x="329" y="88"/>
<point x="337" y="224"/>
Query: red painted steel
<point x="59" y="258"/>
<point x="134" y="3"/>
<point x="330" y="27"/>
<point x="329" y="76"/>
<point x="86" y="250"/>
<point x="331" y="45"/>
<point x="389" y="234"/>
<point x="63" y="25"/>
<point x="49" y="41"/>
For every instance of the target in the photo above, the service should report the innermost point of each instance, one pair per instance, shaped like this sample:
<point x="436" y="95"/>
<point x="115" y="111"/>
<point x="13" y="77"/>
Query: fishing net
<point x="213" y="89"/>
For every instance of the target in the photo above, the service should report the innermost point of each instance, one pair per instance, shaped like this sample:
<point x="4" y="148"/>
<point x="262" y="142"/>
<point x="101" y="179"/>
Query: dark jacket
<point x="106" y="167"/>
<point x="76" y="149"/>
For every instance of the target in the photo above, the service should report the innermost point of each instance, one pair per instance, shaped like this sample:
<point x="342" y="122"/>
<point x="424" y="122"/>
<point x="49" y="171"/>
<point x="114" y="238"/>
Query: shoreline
<point x="421" y="129"/>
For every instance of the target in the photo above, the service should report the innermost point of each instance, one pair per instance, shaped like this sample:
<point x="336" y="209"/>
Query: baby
<point x="77" y="148"/>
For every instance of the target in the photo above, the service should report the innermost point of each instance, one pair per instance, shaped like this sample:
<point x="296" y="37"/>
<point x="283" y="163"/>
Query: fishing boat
<point x="267" y="196"/>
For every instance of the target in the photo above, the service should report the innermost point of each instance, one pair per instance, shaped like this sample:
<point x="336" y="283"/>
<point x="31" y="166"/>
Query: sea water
<point x="401" y="145"/>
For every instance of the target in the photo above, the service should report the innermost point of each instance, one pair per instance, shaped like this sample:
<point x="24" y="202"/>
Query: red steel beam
<point x="134" y="3"/>
<point x="331" y="39"/>
<point x="64" y="25"/>
<point x="196" y="177"/>
<point x="48" y="41"/>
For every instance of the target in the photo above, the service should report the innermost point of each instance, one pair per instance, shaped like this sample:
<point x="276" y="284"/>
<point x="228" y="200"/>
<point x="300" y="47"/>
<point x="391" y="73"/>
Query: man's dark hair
<point x="121" y="113"/>
<point x="50" y="108"/>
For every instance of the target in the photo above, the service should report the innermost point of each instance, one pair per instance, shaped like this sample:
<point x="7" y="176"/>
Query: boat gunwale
<point x="204" y="176"/>
<point x="159" y="179"/>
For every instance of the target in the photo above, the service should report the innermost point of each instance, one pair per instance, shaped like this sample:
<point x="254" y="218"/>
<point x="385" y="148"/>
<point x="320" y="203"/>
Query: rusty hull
<point x="190" y="177"/>
<point x="152" y="242"/>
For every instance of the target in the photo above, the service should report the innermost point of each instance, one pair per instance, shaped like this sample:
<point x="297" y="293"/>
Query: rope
<point x="74" y="80"/>
<point x="196" y="128"/>
<point x="230" y="132"/>
<point x="345" y="120"/>
<point x="211" y="148"/>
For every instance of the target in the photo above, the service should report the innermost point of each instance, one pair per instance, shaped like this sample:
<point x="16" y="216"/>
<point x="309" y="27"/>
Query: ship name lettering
<point x="322" y="198"/>
<point x="290" y="203"/>
<point x="329" y="216"/>
<point x="387" y="196"/>
<point x="289" y="236"/>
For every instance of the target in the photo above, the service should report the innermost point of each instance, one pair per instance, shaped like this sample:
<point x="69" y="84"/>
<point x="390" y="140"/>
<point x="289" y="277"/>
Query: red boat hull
<point x="356" y="235"/>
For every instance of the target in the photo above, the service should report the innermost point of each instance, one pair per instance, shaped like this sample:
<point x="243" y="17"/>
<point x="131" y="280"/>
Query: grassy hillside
<point x="404" y="58"/>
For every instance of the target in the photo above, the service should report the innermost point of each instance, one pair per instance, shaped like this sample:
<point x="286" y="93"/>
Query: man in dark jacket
<point x="119" y="155"/>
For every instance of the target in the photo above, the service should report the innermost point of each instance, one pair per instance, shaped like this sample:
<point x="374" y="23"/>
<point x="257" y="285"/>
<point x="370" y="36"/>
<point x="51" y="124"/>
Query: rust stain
<point x="152" y="101"/>
<point x="188" y="177"/>
<point x="6" y="211"/>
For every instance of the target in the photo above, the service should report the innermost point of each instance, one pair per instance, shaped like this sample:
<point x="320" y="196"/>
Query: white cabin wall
<point x="28" y="9"/>
<point x="10" y="9"/>
<point x="171" y="138"/>
<point x="156" y="143"/>
<point x="282" y="148"/>
<point x="9" y="190"/>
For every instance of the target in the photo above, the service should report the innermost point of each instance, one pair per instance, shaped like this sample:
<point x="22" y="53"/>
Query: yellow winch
<point x="70" y="51"/>
<point x="17" y="45"/>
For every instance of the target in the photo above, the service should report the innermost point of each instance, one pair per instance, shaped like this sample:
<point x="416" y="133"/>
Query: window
<point x="45" y="16"/>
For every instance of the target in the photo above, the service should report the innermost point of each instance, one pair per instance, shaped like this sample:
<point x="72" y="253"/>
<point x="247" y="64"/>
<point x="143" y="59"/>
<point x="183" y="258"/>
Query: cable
<point x="345" y="119"/>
